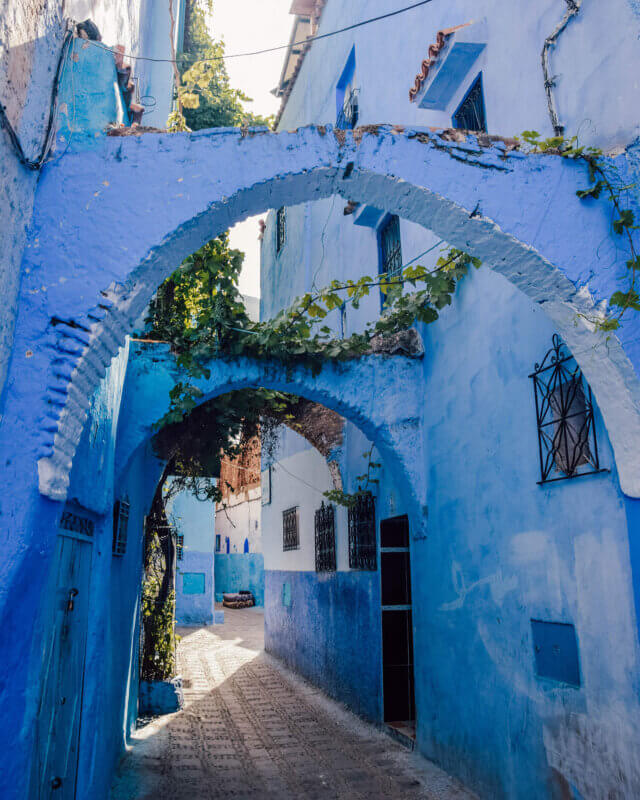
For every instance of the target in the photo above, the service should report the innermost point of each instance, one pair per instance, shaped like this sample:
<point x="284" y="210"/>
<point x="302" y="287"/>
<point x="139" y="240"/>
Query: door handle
<point x="72" y="593"/>
<point x="56" y="783"/>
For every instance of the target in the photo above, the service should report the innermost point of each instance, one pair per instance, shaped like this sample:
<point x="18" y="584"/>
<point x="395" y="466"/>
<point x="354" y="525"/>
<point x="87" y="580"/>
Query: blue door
<point x="57" y="726"/>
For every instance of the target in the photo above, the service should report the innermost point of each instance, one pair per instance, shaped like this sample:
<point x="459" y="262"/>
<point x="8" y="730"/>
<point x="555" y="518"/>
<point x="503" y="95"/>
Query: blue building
<point x="193" y="521"/>
<point x="481" y="596"/>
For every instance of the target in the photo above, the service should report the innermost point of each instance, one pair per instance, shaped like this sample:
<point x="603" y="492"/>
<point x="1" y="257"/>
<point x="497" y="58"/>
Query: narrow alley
<point x="252" y="729"/>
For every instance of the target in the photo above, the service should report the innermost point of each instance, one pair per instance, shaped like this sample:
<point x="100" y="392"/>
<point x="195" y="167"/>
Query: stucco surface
<point x="239" y="571"/>
<point x="423" y="178"/>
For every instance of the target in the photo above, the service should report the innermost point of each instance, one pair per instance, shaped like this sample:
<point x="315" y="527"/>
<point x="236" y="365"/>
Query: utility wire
<point x="308" y="40"/>
<point x="37" y="163"/>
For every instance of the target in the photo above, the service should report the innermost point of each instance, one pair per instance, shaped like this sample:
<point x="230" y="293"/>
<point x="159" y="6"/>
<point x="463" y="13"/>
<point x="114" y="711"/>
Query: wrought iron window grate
<point x="567" y="440"/>
<point x="281" y="228"/>
<point x="362" y="533"/>
<point x="290" y="529"/>
<point x="325" y="531"/>
<point x="391" y="249"/>
<point x="180" y="546"/>
<point x="470" y="115"/>
<point x="348" y="116"/>
<point x="120" y="527"/>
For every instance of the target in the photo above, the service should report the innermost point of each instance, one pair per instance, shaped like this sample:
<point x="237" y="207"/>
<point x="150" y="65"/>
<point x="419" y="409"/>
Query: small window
<point x="348" y="115"/>
<point x="391" y="248"/>
<point x="281" y="228"/>
<point x="567" y="442"/>
<point x="180" y="546"/>
<point x="218" y="543"/>
<point x="120" y="526"/>
<point x="290" y="529"/>
<point x="325" y="533"/>
<point x="347" y="95"/>
<point x="470" y="115"/>
<point x="246" y="545"/>
<point x="362" y="533"/>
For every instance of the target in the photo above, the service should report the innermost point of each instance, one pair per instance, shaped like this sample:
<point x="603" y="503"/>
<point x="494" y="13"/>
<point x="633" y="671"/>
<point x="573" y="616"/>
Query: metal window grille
<point x="120" y="526"/>
<point x="290" y="529"/>
<point x="348" y="116"/>
<point x="391" y="248"/>
<point x="470" y="115"/>
<point x="180" y="546"/>
<point x="281" y="228"/>
<point x="362" y="533"/>
<point x="567" y="440"/>
<point x="325" y="539"/>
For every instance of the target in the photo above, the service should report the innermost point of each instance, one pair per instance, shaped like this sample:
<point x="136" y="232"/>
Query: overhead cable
<point x="308" y="40"/>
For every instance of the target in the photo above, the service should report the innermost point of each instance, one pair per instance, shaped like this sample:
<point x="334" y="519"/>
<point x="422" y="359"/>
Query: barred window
<point x="391" y="249"/>
<point x="120" y="526"/>
<point x="470" y="115"/>
<point x="180" y="546"/>
<point x="567" y="442"/>
<point x="290" y="529"/>
<point x="281" y="228"/>
<point x="325" y="533"/>
<point x="362" y="533"/>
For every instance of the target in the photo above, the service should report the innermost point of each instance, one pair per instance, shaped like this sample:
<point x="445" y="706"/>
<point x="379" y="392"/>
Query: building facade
<point x="239" y="560"/>
<point x="481" y="594"/>
<point x="193" y="521"/>
<point x="451" y="633"/>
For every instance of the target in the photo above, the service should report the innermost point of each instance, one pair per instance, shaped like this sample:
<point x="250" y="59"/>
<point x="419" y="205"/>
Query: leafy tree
<point x="205" y="92"/>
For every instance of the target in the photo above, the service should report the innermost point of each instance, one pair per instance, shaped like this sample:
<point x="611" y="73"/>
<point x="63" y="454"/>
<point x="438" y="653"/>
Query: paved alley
<point x="251" y="729"/>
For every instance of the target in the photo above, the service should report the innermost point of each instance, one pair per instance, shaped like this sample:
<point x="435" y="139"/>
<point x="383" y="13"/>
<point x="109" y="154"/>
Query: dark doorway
<point x="397" y="626"/>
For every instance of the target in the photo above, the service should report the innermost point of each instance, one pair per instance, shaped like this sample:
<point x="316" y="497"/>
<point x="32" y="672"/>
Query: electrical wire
<point x="36" y="164"/>
<point x="308" y="40"/>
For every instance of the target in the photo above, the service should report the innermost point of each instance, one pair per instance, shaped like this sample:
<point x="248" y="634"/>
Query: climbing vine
<point x="604" y="179"/>
<point x="365" y="482"/>
<point x="157" y="653"/>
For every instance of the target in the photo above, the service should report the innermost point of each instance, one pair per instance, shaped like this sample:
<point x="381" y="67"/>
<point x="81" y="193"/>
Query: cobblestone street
<point x="252" y="729"/>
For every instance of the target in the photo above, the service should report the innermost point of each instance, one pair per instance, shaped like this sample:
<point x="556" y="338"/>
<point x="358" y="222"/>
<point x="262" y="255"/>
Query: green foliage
<point x="603" y="177"/>
<point x="158" y="613"/>
<point x="200" y="311"/>
<point x="364" y="481"/>
<point x="205" y="93"/>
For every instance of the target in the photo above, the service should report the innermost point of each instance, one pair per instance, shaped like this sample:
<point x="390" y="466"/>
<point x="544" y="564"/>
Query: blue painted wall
<point x="194" y="520"/>
<point x="327" y="628"/>
<point x="236" y="571"/>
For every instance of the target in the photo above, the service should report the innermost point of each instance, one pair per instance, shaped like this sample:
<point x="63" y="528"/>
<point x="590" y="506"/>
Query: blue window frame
<point x="470" y="115"/>
<point x="390" y="250"/>
<point x="218" y="543"/>
<point x="347" y="95"/>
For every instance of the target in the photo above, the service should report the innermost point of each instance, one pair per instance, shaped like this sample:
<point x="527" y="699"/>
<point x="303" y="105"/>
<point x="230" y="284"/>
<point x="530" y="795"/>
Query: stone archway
<point x="112" y="221"/>
<point x="364" y="391"/>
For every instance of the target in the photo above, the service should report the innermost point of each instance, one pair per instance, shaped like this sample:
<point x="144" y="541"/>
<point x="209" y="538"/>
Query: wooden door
<point x="57" y="727"/>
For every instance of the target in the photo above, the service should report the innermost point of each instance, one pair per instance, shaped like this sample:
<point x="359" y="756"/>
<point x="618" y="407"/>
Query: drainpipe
<point x="573" y="6"/>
